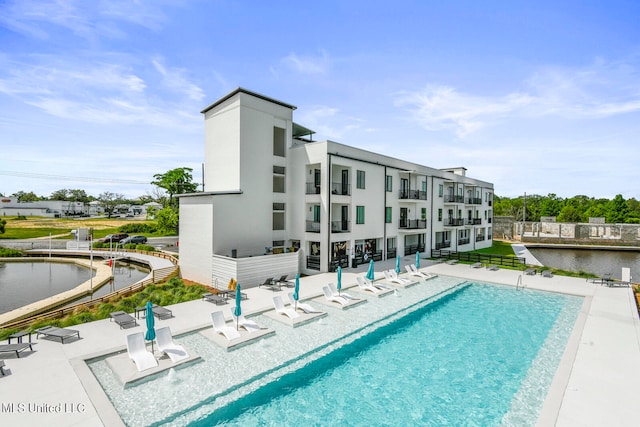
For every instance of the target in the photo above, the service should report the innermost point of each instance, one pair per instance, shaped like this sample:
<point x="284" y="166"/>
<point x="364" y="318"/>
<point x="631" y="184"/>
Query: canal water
<point x="597" y="262"/>
<point x="23" y="283"/>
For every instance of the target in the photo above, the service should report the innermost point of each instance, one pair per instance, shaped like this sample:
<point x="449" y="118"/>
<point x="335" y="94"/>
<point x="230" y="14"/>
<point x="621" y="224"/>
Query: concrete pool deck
<point x="596" y="382"/>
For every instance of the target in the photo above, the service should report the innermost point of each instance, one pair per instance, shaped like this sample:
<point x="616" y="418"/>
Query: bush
<point x="5" y="252"/>
<point x="147" y="248"/>
<point x="138" y="228"/>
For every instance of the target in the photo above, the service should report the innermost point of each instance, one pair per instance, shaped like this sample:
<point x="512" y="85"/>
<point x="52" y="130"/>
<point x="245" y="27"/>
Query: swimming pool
<point x="480" y="355"/>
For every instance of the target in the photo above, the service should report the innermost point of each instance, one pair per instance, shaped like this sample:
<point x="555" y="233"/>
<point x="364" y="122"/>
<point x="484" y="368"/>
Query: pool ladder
<point x="519" y="283"/>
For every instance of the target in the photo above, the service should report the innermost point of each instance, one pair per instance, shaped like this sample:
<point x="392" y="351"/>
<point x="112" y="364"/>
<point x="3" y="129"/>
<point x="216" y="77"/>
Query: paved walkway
<point x="596" y="383"/>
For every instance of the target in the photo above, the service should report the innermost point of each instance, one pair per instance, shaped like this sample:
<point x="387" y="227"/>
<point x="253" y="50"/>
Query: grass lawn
<point x="34" y="227"/>
<point x="499" y="247"/>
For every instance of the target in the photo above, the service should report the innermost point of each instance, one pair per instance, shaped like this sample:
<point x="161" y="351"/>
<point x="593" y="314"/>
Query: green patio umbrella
<point x="339" y="279"/>
<point x="238" y="310"/>
<point x="151" y="332"/>
<point x="418" y="259"/>
<point x="398" y="264"/>
<point x="296" y="291"/>
<point x="370" y="271"/>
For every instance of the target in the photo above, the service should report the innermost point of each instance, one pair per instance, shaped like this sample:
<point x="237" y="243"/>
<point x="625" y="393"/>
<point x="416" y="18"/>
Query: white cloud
<point x="308" y="64"/>
<point x="601" y="90"/>
<point x="174" y="79"/>
<point x="328" y="122"/>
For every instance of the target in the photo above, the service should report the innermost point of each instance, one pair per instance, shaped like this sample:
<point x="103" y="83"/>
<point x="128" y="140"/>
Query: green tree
<point x="27" y="197"/>
<point x="175" y="181"/>
<point x="2" y="224"/>
<point x="109" y="202"/>
<point x="617" y="210"/>
<point x="167" y="220"/>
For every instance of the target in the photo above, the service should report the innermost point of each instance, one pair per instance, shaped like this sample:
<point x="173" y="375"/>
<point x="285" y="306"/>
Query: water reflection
<point x="597" y="262"/>
<point x="23" y="283"/>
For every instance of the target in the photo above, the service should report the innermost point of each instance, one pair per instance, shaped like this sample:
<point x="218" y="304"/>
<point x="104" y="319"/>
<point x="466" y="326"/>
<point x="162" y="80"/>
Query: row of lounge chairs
<point x="125" y="320"/>
<point x="276" y="285"/>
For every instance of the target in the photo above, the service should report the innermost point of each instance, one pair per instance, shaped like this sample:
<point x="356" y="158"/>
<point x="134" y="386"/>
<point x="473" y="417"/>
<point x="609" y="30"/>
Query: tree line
<point x="167" y="186"/>
<point x="575" y="209"/>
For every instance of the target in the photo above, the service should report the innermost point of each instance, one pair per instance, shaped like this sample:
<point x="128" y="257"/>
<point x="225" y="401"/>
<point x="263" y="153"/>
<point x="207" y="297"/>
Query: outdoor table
<point x="18" y="336"/>
<point x="139" y="310"/>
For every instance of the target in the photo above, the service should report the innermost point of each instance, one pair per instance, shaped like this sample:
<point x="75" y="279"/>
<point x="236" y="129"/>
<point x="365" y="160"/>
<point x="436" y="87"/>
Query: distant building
<point x="276" y="202"/>
<point x="10" y="206"/>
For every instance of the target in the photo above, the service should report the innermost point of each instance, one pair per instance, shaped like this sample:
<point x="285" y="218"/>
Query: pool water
<point x="475" y="355"/>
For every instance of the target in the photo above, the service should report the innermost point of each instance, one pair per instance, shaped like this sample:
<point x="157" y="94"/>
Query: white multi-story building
<point x="276" y="202"/>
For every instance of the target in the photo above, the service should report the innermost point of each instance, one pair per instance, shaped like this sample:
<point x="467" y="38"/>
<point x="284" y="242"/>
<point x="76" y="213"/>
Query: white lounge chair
<point x="392" y="277"/>
<point x="367" y="287"/>
<point x="329" y="296"/>
<point x="166" y="345"/>
<point x="376" y="284"/>
<point x="335" y="293"/>
<point x="243" y="322"/>
<point x="280" y="308"/>
<point x="393" y="274"/>
<point x="301" y="305"/>
<point x="220" y="326"/>
<point x="138" y="352"/>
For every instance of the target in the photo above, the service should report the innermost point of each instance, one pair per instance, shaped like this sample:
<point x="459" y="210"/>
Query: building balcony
<point x="479" y="238"/>
<point x="340" y="189"/>
<point x="412" y="194"/>
<point x="453" y="222"/>
<point x="340" y="226"/>
<point x="312" y="227"/>
<point x="453" y="199"/>
<point x="474" y="201"/>
<point x="312" y="188"/>
<point x="463" y="241"/>
<point x="474" y="221"/>
<point x="412" y="224"/>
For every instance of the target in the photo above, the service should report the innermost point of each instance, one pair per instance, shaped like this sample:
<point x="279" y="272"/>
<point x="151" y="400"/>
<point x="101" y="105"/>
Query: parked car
<point x="138" y="240"/>
<point x="114" y="238"/>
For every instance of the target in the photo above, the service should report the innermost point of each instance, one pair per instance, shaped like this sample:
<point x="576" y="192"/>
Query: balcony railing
<point x="474" y="201"/>
<point x="412" y="249"/>
<point x="340" y="226"/>
<point x="313" y="262"/>
<point x="440" y="245"/>
<point x="391" y="253"/>
<point x="412" y="223"/>
<point x="474" y="221"/>
<point x="412" y="194"/>
<point x="454" y="222"/>
<point x="479" y="238"/>
<point x="453" y="199"/>
<point x="340" y="189"/>
<point x="463" y="241"/>
<point x="313" y="227"/>
<point x="312" y="188"/>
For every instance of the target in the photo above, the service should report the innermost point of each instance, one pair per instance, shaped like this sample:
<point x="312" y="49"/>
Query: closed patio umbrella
<point x="418" y="259"/>
<point x="296" y="291"/>
<point x="339" y="279"/>
<point x="238" y="310"/>
<point x="151" y="332"/>
<point x="370" y="271"/>
<point x="398" y="264"/>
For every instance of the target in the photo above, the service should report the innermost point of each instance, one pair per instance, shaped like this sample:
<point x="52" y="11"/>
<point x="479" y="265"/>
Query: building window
<point x="359" y="214"/>
<point x="389" y="183"/>
<point x="440" y="190"/>
<point x="423" y="214"/>
<point x="360" y="179"/>
<point x="278" y="221"/>
<point x="279" y="145"/>
<point x="388" y="214"/>
<point x="278" y="184"/>
<point x="424" y="186"/>
<point x="439" y="214"/>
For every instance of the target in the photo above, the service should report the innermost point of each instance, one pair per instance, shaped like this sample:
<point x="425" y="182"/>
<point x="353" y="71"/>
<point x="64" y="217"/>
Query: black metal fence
<point x="508" y="261"/>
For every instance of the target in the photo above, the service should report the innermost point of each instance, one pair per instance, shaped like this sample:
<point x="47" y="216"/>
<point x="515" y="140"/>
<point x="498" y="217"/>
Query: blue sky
<point x="536" y="97"/>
